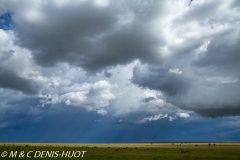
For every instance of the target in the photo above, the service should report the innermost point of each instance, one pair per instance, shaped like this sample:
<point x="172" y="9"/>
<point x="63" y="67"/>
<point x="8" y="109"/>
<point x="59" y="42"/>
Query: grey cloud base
<point x="10" y="79"/>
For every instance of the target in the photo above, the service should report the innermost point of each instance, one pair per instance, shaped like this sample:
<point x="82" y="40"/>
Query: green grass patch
<point x="126" y="151"/>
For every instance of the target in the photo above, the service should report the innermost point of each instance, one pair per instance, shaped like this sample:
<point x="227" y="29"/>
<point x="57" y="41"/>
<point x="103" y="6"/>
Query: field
<point x="122" y="151"/>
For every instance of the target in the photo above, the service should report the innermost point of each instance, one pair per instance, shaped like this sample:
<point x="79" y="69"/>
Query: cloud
<point x="176" y="71"/>
<point x="158" y="78"/>
<point x="183" y="115"/>
<point x="102" y="112"/>
<point x="10" y="79"/>
<point x="203" y="89"/>
<point x="17" y="71"/>
<point x="83" y="24"/>
<point x="132" y="104"/>
<point x="153" y="118"/>
<point x="221" y="56"/>
<point x="171" y="118"/>
<point x="90" y="97"/>
<point x="200" y="72"/>
<point x="107" y="74"/>
<point x="127" y="59"/>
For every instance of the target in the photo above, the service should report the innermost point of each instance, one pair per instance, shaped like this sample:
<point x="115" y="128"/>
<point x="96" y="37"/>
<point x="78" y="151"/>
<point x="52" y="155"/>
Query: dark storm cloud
<point x="90" y="36"/>
<point x="210" y="89"/>
<point x="148" y="99"/>
<point x="107" y="74"/>
<point x="219" y="112"/>
<point x="123" y="47"/>
<point x="11" y="79"/>
<point x="209" y="84"/>
<point x="222" y="57"/>
<point x="64" y="33"/>
<point x="160" y="79"/>
<point x="211" y="101"/>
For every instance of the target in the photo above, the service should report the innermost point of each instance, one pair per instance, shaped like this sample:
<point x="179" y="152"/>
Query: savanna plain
<point x="123" y="151"/>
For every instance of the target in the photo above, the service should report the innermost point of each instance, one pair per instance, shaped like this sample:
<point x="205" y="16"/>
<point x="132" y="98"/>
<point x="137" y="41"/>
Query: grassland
<point x="130" y="151"/>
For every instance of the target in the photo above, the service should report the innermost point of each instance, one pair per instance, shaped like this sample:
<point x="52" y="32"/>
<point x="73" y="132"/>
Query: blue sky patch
<point x="6" y="22"/>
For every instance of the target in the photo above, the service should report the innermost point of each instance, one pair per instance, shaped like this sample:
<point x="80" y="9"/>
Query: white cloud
<point x="102" y="3"/>
<point x="171" y="118"/>
<point x="153" y="118"/>
<point x="88" y="96"/>
<point x="229" y="81"/>
<point x="102" y="112"/>
<point x="176" y="71"/>
<point x="183" y="115"/>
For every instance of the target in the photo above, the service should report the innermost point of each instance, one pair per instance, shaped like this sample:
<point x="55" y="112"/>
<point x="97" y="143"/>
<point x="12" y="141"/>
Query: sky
<point x="102" y="71"/>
